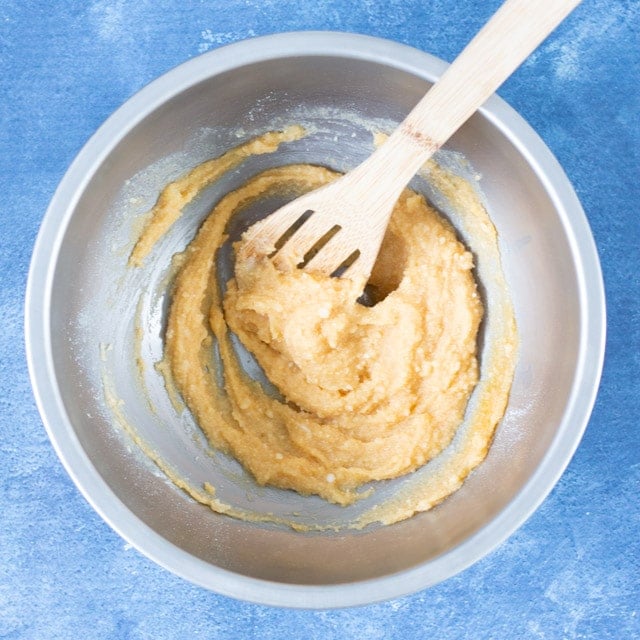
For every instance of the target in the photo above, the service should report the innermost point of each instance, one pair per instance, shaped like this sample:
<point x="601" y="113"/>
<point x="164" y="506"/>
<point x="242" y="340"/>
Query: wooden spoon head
<point x="322" y="231"/>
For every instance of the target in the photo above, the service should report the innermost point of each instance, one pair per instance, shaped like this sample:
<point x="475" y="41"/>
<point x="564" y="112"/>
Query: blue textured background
<point x="573" y="570"/>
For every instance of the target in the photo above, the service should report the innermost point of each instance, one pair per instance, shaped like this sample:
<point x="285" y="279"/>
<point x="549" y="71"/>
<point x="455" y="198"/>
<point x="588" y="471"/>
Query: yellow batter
<point x="366" y="393"/>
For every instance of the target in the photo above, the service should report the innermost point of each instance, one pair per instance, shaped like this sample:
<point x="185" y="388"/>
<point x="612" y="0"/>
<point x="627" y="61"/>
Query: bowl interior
<point x="95" y="301"/>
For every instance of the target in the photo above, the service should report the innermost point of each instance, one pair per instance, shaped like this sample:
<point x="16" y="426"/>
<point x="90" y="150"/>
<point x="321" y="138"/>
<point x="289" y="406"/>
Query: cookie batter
<point x="363" y="393"/>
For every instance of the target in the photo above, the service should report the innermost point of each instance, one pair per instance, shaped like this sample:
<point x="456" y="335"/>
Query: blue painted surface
<point x="572" y="571"/>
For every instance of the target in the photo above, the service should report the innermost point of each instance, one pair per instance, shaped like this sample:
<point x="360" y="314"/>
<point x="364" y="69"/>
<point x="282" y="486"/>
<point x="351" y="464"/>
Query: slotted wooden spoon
<point x="339" y="228"/>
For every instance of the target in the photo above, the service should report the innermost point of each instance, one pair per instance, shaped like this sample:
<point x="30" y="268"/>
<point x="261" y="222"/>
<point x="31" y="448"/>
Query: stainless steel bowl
<point x="76" y="309"/>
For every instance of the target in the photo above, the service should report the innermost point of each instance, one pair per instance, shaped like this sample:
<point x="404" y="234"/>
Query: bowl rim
<point x="95" y="489"/>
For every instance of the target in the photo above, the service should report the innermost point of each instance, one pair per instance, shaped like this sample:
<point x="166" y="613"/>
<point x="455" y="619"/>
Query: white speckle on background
<point x="117" y="37"/>
<point x="590" y="35"/>
<point x="211" y="39"/>
<point x="533" y="626"/>
<point x="569" y="52"/>
<point x="108" y="19"/>
<point x="208" y="40"/>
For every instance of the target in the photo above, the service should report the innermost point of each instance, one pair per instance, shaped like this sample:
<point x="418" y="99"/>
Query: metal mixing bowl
<point x="82" y="301"/>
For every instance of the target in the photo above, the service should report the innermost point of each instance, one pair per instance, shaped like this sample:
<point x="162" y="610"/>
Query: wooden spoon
<point x="338" y="229"/>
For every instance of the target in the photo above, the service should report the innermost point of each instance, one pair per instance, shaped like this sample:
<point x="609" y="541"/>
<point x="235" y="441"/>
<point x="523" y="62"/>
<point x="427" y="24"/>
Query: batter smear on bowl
<point x="358" y="393"/>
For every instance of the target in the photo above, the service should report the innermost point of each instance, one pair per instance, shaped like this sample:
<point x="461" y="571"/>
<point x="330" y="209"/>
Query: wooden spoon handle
<point x="374" y="186"/>
<point x="498" y="49"/>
